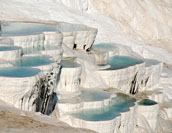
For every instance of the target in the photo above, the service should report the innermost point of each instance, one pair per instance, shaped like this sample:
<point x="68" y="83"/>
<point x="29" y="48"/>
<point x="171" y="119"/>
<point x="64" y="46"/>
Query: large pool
<point x="18" y="72"/>
<point x="88" y="95"/>
<point x="119" y="104"/>
<point x="120" y="62"/>
<point x="9" y="48"/>
<point x="33" y="61"/>
<point x="21" y="28"/>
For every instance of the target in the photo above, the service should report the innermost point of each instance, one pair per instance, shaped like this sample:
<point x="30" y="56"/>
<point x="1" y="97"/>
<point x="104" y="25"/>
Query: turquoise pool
<point x="21" y="28"/>
<point x="119" y="104"/>
<point x="33" y="61"/>
<point x="18" y="72"/>
<point x="147" y="102"/>
<point x="8" y="48"/>
<point x="88" y="95"/>
<point x="120" y="62"/>
<point x="104" y="46"/>
<point x="69" y="64"/>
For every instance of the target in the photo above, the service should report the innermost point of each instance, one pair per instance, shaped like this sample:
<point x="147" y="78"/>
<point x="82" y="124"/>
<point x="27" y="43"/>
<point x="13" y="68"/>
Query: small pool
<point x="88" y="95"/>
<point x="69" y="64"/>
<point x="104" y="46"/>
<point x="105" y="113"/>
<point x="18" y="72"/>
<point x="9" y="48"/>
<point x="150" y="62"/>
<point x="21" y="28"/>
<point x="33" y="61"/>
<point x="120" y="62"/>
<point x="147" y="102"/>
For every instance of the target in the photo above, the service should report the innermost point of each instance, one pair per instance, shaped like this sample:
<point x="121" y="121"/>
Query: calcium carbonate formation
<point x="45" y="66"/>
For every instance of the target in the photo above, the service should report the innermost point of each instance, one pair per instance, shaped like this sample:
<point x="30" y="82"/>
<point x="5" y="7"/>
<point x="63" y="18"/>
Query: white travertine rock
<point x="109" y="126"/>
<point x="53" y="38"/>
<point x="56" y="53"/>
<point x="101" y="57"/>
<point x="149" y="21"/>
<point x="147" y="116"/>
<point x="84" y="36"/>
<point x="22" y="92"/>
<point x="69" y="79"/>
<point x="122" y="78"/>
<point x="152" y="73"/>
<point x="29" y="35"/>
<point x="85" y="39"/>
<point x="6" y="41"/>
<point x="8" y="52"/>
<point x="135" y="78"/>
<point x="128" y="121"/>
<point x="81" y="5"/>
<point x="28" y="41"/>
<point x="69" y="39"/>
<point x="124" y="123"/>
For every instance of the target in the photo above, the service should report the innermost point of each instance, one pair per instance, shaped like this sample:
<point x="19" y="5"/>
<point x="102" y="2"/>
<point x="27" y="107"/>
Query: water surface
<point x="18" y="72"/>
<point x="107" y="112"/>
<point x="33" y="61"/>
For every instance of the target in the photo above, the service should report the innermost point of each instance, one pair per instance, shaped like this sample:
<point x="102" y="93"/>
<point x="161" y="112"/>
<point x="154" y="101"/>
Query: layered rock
<point x="69" y="79"/>
<point x="22" y="90"/>
<point x="147" y="113"/>
<point x="84" y="36"/>
<point x="9" y="53"/>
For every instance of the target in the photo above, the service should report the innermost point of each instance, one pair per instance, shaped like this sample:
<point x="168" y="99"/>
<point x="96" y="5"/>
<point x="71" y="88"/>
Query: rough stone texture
<point x="148" y="117"/>
<point x="124" y="79"/>
<point x="53" y="38"/>
<point x="9" y="55"/>
<point x="64" y="108"/>
<point x="22" y="92"/>
<point x="28" y="41"/>
<point x="69" y="79"/>
<point x="150" y="20"/>
<point x="84" y="36"/>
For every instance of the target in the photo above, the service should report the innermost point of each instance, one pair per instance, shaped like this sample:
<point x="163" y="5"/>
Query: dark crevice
<point x="74" y="46"/>
<point x="84" y="46"/>
<point x="146" y="81"/>
<point x="133" y="85"/>
<point x="51" y="104"/>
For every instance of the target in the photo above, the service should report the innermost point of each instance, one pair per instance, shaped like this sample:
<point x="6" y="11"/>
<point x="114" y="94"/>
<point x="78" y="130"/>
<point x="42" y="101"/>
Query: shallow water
<point x="147" y="102"/>
<point x="105" y="113"/>
<point x="150" y="62"/>
<point x="8" y="48"/>
<point x="103" y="46"/>
<point x="20" y="29"/>
<point x="120" y="62"/>
<point x="18" y="72"/>
<point x="69" y="64"/>
<point x="32" y="61"/>
<point x="88" y="95"/>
